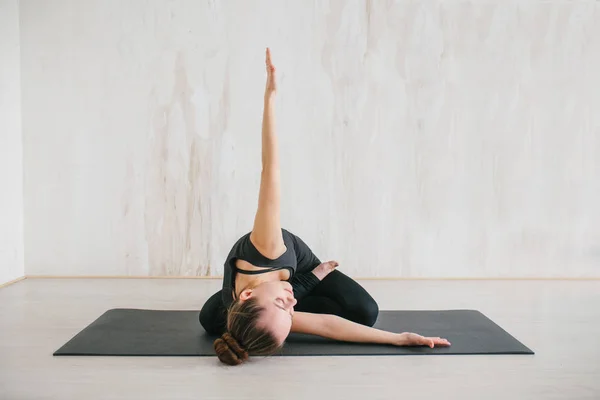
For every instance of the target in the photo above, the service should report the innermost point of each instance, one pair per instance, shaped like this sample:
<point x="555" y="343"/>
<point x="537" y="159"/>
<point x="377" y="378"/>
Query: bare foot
<point x="323" y="269"/>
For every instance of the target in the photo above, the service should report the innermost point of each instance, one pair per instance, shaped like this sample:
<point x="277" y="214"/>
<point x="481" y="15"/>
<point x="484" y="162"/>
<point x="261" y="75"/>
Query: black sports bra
<point x="262" y="271"/>
<point x="243" y="249"/>
<point x="258" y="272"/>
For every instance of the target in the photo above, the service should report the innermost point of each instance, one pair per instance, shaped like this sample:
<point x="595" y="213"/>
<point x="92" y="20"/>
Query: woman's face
<point x="277" y="299"/>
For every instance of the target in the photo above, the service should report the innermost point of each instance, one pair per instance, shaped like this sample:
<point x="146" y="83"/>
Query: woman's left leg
<point x="340" y="295"/>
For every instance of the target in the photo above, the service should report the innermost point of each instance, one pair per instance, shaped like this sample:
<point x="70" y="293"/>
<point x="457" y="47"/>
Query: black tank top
<point x="243" y="249"/>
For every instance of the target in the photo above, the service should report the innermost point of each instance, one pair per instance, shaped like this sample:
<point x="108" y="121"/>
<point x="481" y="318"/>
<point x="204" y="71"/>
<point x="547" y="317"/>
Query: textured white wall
<point x="11" y="149"/>
<point x="418" y="139"/>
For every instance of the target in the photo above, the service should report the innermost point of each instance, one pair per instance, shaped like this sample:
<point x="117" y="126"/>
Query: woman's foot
<point x="324" y="269"/>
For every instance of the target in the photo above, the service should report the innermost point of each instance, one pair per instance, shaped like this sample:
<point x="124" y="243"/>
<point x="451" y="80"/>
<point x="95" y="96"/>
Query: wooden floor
<point x="559" y="320"/>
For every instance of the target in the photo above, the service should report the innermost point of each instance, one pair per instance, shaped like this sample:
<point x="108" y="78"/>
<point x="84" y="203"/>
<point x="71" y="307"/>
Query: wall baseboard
<point x="566" y="278"/>
<point x="11" y="282"/>
<point x="119" y="277"/>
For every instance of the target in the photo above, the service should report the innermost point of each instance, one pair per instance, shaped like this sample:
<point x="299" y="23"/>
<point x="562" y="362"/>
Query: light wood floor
<point x="559" y="320"/>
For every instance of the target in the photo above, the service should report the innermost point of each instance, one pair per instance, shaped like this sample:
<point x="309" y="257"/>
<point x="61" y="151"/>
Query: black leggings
<point x="337" y="294"/>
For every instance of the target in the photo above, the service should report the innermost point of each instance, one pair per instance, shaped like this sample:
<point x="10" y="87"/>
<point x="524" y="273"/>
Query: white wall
<point x="11" y="149"/>
<point x="450" y="139"/>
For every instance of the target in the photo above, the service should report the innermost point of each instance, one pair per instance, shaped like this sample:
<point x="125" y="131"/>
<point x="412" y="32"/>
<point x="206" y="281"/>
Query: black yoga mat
<point x="135" y="332"/>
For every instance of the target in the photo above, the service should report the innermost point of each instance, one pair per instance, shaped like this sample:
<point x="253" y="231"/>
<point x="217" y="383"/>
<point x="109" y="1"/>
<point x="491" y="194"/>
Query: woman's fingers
<point x="434" y="341"/>
<point x="437" y="341"/>
<point x="269" y="62"/>
<point x="271" y="80"/>
<point x="414" y="339"/>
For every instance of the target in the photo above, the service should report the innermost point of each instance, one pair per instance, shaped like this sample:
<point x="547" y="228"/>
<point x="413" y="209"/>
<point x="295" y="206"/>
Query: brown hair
<point x="243" y="337"/>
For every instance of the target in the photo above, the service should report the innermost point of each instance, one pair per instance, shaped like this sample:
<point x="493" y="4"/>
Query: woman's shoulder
<point x="245" y="249"/>
<point x="287" y="235"/>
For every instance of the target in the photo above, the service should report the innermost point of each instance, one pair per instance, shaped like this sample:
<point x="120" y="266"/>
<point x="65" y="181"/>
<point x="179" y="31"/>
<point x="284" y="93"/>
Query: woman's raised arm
<point x="266" y="233"/>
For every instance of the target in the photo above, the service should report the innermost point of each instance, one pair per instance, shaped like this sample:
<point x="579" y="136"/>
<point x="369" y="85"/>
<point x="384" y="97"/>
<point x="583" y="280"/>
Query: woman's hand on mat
<point x="323" y="269"/>
<point x="271" y="79"/>
<point x="413" y="339"/>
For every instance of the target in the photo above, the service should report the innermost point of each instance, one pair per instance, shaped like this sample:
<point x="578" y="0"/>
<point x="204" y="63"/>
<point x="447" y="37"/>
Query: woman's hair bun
<point x="229" y="350"/>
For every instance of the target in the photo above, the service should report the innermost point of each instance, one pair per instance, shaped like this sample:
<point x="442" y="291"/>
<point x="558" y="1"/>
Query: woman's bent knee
<point x="212" y="316"/>
<point x="206" y="320"/>
<point x="369" y="311"/>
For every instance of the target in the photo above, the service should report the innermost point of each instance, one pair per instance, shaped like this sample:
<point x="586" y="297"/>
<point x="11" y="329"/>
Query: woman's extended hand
<point x="413" y="339"/>
<point x="271" y="87"/>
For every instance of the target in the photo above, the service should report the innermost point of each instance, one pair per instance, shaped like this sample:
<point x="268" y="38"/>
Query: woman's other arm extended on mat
<point x="266" y="234"/>
<point x="337" y="328"/>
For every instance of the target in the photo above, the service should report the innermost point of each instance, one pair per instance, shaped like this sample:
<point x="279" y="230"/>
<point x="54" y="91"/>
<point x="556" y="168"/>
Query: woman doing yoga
<point x="273" y="284"/>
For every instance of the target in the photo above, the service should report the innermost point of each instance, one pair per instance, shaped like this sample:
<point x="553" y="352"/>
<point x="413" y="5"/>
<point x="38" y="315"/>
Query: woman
<point x="273" y="283"/>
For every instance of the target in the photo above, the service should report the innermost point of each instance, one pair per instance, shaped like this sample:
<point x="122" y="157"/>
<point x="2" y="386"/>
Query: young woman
<point x="273" y="283"/>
